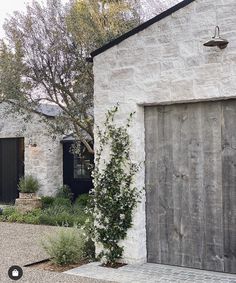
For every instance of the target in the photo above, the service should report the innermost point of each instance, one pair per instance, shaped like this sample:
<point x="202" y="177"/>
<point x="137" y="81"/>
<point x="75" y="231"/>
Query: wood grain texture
<point x="188" y="211"/>
<point x="229" y="183"/>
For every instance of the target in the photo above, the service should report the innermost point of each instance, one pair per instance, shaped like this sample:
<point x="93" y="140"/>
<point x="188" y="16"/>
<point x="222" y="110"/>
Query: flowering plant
<point x="114" y="197"/>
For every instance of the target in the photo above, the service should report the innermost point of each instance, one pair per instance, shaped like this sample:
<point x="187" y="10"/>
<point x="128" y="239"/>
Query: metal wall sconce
<point x="217" y="40"/>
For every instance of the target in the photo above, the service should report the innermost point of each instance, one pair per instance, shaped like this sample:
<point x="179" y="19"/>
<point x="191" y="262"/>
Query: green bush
<point x="16" y="217"/>
<point x="32" y="217"/>
<point x="12" y="215"/>
<point x="65" y="247"/>
<point x="89" y="249"/>
<point x="47" y="201"/>
<point x="28" y="184"/>
<point x="9" y="214"/>
<point x="64" y="192"/>
<point x="62" y="218"/>
<point x="8" y="211"/>
<point x="59" y="213"/>
<point x="52" y="214"/>
<point x="82" y="200"/>
<point x="61" y="201"/>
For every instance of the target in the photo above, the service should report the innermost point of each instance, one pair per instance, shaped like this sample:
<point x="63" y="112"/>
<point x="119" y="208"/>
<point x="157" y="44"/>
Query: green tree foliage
<point x="43" y="58"/>
<point x="102" y="21"/>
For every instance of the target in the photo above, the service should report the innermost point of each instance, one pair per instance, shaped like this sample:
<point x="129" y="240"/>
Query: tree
<point x="43" y="58"/>
<point x="102" y="20"/>
<point x="152" y="8"/>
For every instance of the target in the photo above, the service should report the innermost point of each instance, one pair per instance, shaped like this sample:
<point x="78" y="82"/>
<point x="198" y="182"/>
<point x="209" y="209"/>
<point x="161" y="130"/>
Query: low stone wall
<point x="24" y="205"/>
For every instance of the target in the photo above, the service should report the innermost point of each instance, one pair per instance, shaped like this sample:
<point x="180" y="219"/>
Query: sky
<point x="7" y="7"/>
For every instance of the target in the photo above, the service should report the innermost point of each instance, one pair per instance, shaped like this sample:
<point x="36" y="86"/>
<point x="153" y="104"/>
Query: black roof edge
<point x="139" y="28"/>
<point x="89" y="59"/>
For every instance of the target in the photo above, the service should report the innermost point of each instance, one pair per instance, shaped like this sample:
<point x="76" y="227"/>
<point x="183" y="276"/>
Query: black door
<point x="11" y="167"/>
<point x="76" y="173"/>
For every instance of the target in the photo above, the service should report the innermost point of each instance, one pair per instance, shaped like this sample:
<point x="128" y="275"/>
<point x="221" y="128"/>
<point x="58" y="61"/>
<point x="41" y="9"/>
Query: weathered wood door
<point x="11" y="167"/>
<point x="191" y="185"/>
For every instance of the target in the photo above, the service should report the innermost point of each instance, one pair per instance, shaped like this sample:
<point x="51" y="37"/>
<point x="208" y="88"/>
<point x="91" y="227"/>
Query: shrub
<point x="16" y="217"/>
<point x="47" y="201"/>
<point x="89" y="249"/>
<point x="61" y="201"/>
<point x="65" y="247"/>
<point x="65" y="192"/>
<point x="62" y="216"/>
<point x="32" y="217"/>
<point x="82" y="200"/>
<point x="12" y="215"/>
<point x="52" y="214"/>
<point x="60" y="213"/>
<point x="80" y="213"/>
<point x="63" y="219"/>
<point x="28" y="184"/>
<point x="8" y="211"/>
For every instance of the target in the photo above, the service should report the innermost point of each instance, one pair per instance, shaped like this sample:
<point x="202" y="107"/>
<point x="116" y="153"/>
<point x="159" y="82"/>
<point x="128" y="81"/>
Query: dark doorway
<point x="11" y="167"/>
<point x="76" y="170"/>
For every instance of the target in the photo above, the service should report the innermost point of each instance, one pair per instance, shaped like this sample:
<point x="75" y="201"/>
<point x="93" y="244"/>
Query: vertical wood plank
<point x="229" y="183"/>
<point x="212" y="184"/>
<point x="190" y="158"/>
<point x="163" y="155"/>
<point x="153" y="237"/>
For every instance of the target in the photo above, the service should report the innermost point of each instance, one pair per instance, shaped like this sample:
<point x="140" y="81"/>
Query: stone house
<point x="183" y="134"/>
<point x="27" y="148"/>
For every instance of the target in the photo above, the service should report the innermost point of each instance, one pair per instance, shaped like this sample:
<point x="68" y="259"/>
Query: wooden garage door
<point x="191" y="185"/>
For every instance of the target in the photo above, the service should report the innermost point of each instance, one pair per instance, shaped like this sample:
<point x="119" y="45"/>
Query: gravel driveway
<point x="20" y="245"/>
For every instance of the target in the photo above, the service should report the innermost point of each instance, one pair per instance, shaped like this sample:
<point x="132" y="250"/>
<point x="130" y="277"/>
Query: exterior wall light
<point x="217" y="40"/>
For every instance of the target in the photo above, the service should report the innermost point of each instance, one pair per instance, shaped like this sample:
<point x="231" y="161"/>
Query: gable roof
<point x="139" y="28"/>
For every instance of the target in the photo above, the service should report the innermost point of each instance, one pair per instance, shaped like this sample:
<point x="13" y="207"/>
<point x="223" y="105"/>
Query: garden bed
<point x="115" y="265"/>
<point x="58" y="211"/>
<point x="49" y="266"/>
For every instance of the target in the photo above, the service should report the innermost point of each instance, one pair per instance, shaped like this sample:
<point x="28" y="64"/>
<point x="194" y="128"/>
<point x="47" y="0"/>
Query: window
<point x="82" y="167"/>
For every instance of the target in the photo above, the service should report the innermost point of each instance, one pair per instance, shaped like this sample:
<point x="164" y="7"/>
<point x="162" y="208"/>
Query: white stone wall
<point x="45" y="161"/>
<point x="165" y="63"/>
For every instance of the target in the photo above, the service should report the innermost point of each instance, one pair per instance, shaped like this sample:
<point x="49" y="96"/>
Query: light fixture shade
<point x="217" y="40"/>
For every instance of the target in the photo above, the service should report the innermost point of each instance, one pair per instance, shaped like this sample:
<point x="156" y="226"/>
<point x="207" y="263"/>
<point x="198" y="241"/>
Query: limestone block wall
<point x="45" y="161"/>
<point x="165" y="63"/>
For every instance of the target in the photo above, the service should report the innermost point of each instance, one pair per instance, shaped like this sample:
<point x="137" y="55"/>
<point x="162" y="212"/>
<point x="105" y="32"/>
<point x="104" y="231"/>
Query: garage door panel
<point x="229" y="183"/>
<point x="188" y="190"/>
<point x="212" y="217"/>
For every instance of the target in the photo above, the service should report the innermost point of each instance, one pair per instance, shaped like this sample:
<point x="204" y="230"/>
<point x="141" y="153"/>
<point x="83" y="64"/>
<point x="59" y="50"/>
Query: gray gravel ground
<point x="20" y="245"/>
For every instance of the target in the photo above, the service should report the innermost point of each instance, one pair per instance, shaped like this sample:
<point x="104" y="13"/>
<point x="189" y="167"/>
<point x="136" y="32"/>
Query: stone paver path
<point x="150" y="273"/>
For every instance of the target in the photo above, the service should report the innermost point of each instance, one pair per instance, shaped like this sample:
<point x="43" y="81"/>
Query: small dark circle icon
<point x="15" y="272"/>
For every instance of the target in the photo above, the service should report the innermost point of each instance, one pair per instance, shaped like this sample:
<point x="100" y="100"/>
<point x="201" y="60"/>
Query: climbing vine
<point x="114" y="197"/>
